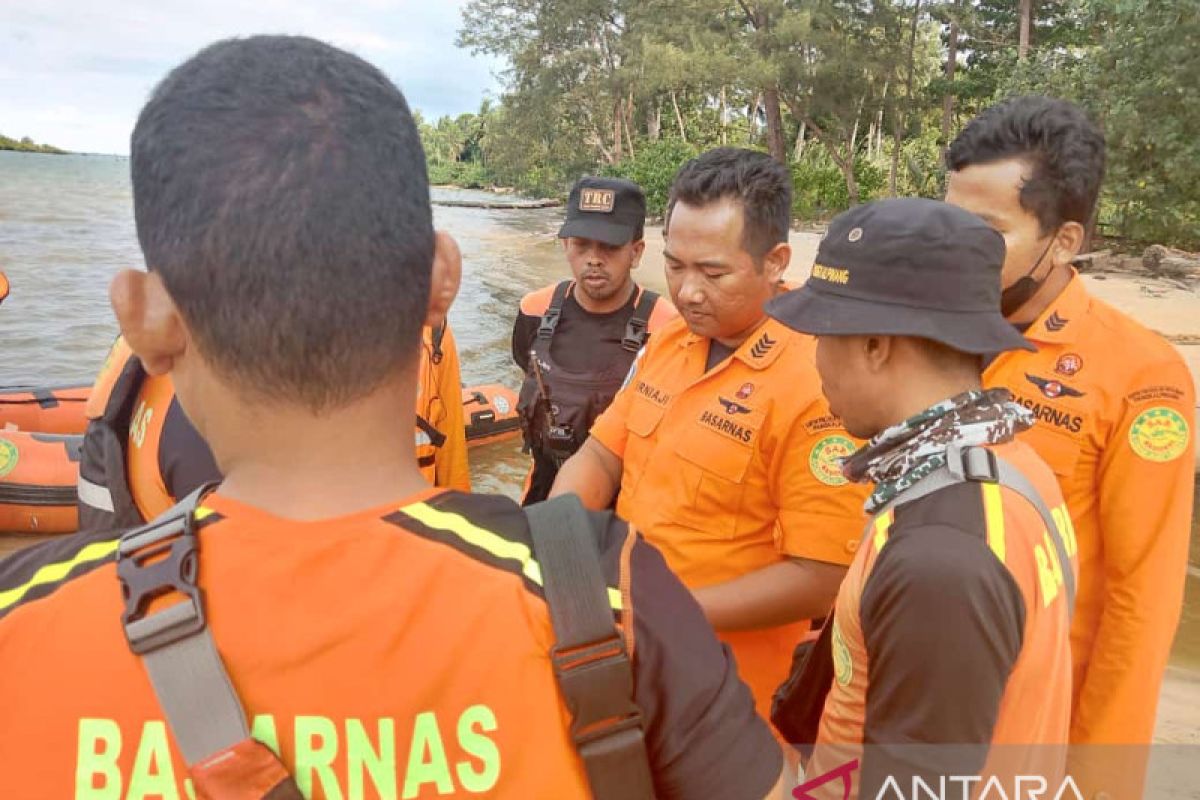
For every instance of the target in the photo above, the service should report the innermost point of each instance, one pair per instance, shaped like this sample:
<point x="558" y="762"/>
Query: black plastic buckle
<point x="153" y="563"/>
<point x="635" y="335"/>
<point x="548" y="323"/>
<point x="618" y="737"/>
<point x="594" y="679"/>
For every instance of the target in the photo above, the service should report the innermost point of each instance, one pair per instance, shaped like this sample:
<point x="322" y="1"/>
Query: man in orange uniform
<point x="384" y="638"/>
<point x="951" y="631"/>
<point x="722" y="448"/>
<point x="163" y="459"/>
<point x="1114" y="404"/>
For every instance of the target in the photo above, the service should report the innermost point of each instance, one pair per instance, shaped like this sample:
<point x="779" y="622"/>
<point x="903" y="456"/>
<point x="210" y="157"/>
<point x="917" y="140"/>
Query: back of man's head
<point x="1063" y="148"/>
<point x="759" y="183"/>
<point x="280" y="192"/>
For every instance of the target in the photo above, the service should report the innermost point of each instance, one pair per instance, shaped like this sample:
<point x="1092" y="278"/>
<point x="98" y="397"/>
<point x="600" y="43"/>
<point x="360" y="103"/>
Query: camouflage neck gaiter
<point x="905" y="453"/>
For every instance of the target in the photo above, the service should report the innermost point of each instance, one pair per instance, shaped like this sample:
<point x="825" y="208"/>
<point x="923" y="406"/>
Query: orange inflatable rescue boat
<point x="48" y="409"/>
<point x="489" y="410"/>
<point x="38" y="473"/>
<point x="490" y="413"/>
<point x="39" y="469"/>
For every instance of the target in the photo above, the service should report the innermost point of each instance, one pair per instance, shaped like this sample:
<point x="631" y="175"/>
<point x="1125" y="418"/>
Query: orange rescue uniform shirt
<point x="439" y="401"/>
<point x="733" y="470"/>
<point x="978" y="540"/>
<point x="1114" y="404"/>
<point x="401" y="651"/>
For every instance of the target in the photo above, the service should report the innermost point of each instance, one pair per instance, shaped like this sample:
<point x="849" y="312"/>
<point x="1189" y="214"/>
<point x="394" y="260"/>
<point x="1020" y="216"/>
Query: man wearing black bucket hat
<point x="576" y="339"/>
<point x="952" y="624"/>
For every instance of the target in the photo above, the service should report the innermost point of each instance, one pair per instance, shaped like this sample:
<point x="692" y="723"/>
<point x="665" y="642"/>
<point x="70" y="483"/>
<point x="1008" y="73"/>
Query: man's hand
<point x="593" y="473"/>
<point x="786" y="592"/>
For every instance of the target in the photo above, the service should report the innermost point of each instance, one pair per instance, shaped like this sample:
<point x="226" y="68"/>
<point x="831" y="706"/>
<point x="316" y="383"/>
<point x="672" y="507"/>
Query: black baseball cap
<point x="609" y="210"/>
<point x="906" y="267"/>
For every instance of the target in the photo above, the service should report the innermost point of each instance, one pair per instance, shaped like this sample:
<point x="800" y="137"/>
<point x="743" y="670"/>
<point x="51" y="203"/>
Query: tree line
<point x="27" y="145"/>
<point x="859" y="97"/>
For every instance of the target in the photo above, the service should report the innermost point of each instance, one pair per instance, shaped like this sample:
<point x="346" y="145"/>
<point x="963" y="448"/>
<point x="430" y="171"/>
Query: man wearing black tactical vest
<point x="576" y="340"/>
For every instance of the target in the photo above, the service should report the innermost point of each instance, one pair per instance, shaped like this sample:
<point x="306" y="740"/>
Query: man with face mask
<point x="1113" y="401"/>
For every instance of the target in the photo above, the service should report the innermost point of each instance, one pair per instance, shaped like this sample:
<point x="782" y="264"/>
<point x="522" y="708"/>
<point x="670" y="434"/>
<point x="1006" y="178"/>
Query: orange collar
<point x="1060" y="322"/>
<point x="760" y="349"/>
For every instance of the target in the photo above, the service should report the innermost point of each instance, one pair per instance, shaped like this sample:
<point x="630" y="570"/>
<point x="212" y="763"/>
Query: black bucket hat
<point x="609" y="210"/>
<point x="906" y="267"/>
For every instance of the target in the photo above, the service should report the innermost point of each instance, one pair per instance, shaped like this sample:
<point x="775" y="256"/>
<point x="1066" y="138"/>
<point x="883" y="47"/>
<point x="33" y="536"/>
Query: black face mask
<point x="1024" y="288"/>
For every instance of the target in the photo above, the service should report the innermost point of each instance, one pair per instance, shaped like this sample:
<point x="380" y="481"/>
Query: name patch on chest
<point x="739" y="431"/>
<point x="1046" y="413"/>
<point x="651" y="393"/>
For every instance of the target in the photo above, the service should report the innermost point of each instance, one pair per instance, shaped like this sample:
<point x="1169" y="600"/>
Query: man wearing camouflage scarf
<point x="900" y="456"/>
<point x="950" y="631"/>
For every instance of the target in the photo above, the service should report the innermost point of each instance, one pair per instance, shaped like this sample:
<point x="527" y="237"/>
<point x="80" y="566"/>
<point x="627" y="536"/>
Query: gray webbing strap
<point x="175" y="645"/>
<point x="194" y="690"/>
<point x="980" y="465"/>
<point x="591" y="665"/>
<point x="1011" y="477"/>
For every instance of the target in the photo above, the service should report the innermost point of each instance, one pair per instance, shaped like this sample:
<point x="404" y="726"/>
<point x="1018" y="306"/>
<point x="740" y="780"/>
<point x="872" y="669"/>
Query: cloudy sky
<point x="74" y="73"/>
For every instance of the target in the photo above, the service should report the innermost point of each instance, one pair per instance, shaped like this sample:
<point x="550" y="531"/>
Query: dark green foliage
<point x="654" y="168"/>
<point x="635" y="87"/>
<point x="819" y="190"/>
<point x="27" y="145"/>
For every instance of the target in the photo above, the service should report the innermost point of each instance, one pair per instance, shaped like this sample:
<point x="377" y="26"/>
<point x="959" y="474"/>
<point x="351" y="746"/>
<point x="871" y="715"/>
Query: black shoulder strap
<point x="436" y="437"/>
<point x="639" y="323"/>
<point x="436" y="336"/>
<point x="591" y="665"/>
<point x="550" y="317"/>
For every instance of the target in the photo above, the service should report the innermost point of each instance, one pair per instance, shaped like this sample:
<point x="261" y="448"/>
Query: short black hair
<point x="280" y="191"/>
<point x="1062" y="145"/>
<point x="761" y="184"/>
<point x="948" y="359"/>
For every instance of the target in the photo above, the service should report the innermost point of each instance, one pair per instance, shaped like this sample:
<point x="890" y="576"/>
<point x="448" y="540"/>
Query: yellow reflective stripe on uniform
<point x="52" y="573"/>
<point x="993" y="511"/>
<point x="484" y="539"/>
<point x="1066" y="529"/>
<point x="882" y="523"/>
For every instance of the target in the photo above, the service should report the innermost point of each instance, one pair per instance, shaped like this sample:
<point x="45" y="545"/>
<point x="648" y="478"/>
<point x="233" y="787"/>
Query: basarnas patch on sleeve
<point x="843" y="663"/>
<point x="9" y="455"/>
<point x="1159" y="434"/>
<point x="825" y="460"/>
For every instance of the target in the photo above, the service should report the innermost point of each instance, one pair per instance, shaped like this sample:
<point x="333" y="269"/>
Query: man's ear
<point x="639" y="247"/>
<point x="445" y="278"/>
<point x="149" y="319"/>
<point x="776" y="261"/>
<point x="1068" y="241"/>
<point x="877" y="351"/>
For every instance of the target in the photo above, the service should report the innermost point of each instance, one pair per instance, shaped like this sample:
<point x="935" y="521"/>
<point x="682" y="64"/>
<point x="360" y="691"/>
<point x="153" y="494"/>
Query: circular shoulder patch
<point x="843" y="664"/>
<point x="825" y="459"/>
<point x="8" y="457"/>
<point x="1159" y="434"/>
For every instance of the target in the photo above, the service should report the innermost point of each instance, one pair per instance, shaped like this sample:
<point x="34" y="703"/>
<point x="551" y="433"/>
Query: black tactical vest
<point x="557" y="426"/>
